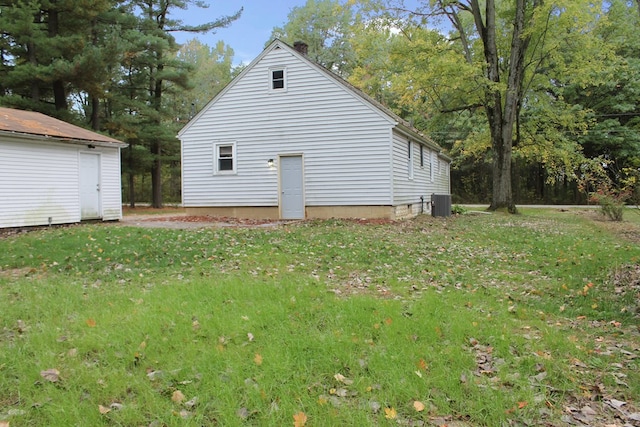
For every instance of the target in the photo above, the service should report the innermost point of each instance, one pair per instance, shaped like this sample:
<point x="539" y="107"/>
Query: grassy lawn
<point x="477" y="320"/>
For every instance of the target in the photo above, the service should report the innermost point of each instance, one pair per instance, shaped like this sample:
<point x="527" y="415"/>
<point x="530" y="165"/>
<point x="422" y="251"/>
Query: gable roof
<point x="401" y="124"/>
<point x="41" y="126"/>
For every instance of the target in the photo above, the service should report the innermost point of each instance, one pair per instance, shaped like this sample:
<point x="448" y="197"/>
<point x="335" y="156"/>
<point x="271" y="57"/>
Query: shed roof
<point x="39" y="125"/>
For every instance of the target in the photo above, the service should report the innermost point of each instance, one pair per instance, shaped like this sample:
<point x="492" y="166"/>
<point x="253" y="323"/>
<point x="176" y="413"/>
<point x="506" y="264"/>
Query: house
<point x="52" y="172"/>
<point x="289" y="139"/>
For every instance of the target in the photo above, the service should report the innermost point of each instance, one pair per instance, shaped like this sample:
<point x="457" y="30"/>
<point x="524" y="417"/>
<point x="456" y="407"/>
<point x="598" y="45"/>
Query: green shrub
<point x="611" y="206"/>
<point x="458" y="210"/>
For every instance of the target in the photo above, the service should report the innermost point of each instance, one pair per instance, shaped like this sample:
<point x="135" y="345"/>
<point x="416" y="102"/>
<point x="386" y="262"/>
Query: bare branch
<point x="462" y="108"/>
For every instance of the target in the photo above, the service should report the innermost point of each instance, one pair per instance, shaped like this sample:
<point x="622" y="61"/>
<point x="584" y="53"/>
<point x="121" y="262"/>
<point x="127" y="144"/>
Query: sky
<point x="248" y="35"/>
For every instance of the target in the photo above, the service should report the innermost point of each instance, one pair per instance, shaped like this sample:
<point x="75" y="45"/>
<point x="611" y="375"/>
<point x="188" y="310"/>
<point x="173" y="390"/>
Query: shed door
<point x="89" y="186"/>
<point x="291" y="188"/>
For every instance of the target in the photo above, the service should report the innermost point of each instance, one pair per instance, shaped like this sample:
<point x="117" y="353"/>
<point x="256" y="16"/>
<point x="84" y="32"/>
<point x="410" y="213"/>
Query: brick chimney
<point x="301" y="47"/>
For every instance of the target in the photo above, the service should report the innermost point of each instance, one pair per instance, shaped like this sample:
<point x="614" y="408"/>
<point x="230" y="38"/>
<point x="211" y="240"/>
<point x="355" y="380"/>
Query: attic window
<point x="278" y="79"/>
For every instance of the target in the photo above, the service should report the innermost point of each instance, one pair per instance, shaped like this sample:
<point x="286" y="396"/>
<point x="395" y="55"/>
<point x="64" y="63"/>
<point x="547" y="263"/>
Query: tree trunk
<point x="500" y="121"/>
<point x="35" y="88"/>
<point x="132" y="187"/>
<point x="156" y="145"/>
<point x="59" y="91"/>
<point x="502" y="116"/>
<point x="95" y="113"/>
<point x="156" y="174"/>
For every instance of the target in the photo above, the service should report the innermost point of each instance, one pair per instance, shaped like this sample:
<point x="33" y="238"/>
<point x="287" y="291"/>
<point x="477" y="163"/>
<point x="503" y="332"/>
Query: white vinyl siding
<point x="408" y="191"/>
<point x="442" y="182"/>
<point x="40" y="180"/>
<point x="345" y="142"/>
<point x="110" y="183"/>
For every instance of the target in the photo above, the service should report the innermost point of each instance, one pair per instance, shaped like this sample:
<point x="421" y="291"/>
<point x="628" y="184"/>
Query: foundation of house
<point x="313" y="212"/>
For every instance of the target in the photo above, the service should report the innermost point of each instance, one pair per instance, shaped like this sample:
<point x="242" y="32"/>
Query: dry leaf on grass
<point x="177" y="396"/>
<point x="341" y="378"/>
<point x="390" y="413"/>
<point x="299" y="419"/>
<point x="52" y="375"/>
<point x="418" y="406"/>
<point x="257" y="359"/>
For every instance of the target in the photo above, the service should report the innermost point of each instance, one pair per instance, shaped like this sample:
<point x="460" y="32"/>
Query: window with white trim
<point x="224" y="154"/>
<point x="410" y="159"/>
<point x="277" y="79"/>
<point x="432" y="166"/>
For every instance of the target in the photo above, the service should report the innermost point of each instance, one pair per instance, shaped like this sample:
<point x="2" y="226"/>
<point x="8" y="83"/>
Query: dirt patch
<point x="176" y="218"/>
<point x="15" y="273"/>
<point x="183" y="221"/>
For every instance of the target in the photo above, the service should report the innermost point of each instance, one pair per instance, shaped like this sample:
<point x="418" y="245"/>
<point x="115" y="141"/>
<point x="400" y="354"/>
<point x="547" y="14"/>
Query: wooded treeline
<point x="114" y="66"/>
<point x="536" y="101"/>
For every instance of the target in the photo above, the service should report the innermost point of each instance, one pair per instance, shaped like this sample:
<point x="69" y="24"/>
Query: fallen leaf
<point x="191" y="403"/>
<point x="243" y="413"/>
<point x="177" y="396"/>
<point x="390" y="413"/>
<point x="522" y="405"/>
<point x="103" y="409"/>
<point x="154" y="375"/>
<point x="257" y="359"/>
<point x="418" y="406"/>
<point x="616" y="404"/>
<point x="4" y="423"/>
<point x="52" y="375"/>
<point x="299" y="419"/>
<point x="578" y="363"/>
<point x="91" y="323"/>
<point x="341" y="392"/>
<point x="422" y="365"/>
<point x="250" y="336"/>
<point x="341" y="378"/>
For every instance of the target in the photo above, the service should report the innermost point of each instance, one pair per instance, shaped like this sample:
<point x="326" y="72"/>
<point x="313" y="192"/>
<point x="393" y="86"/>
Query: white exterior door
<point x="291" y="187"/>
<point x="90" y="186"/>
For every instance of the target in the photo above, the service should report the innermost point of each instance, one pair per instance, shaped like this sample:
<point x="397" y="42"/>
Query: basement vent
<point x="441" y="204"/>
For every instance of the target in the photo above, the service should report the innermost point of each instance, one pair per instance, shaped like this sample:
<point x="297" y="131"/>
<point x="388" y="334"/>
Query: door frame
<point x="98" y="156"/>
<point x="302" y="181"/>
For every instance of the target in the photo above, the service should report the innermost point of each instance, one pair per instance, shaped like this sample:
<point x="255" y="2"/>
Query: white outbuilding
<point x="52" y="172"/>
<point x="289" y="139"/>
